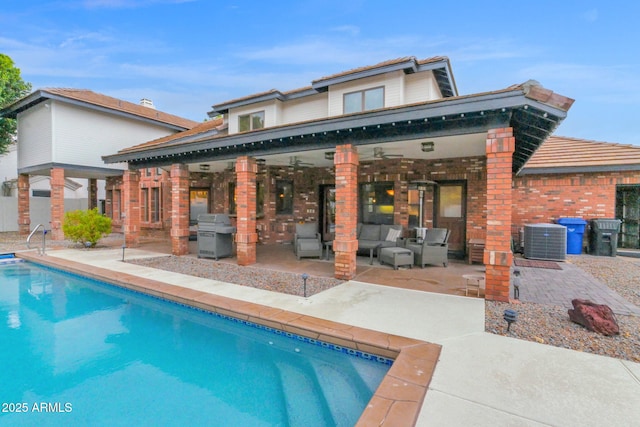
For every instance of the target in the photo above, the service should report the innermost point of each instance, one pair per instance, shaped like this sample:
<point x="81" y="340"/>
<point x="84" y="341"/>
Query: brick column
<point x="179" y="209"/>
<point x="24" y="216"/>
<point x="57" y="203"/>
<point x="345" y="244"/>
<point x="131" y="207"/>
<point x="93" y="193"/>
<point x="246" y="235"/>
<point x="497" y="253"/>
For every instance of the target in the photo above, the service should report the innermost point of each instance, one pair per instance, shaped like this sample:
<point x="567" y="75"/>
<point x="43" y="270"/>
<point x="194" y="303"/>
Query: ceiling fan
<point x="379" y="153"/>
<point x="295" y="162"/>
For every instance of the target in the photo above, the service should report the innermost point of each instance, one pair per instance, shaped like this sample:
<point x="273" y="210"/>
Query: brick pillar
<point x="24" y="216"/>
<point x="246" y="235"/>
<point x="57" y="203"/>
<point x="497" y="253"/>
<point x="131" y="207"/>
<point x="93" y="193"/>
<point x="179" y="209"/>
<point x="345" y="244"/>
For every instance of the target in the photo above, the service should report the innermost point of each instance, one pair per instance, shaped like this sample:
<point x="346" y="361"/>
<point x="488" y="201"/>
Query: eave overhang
<point x="578" y="169"/>
<point x="532" y="122"/>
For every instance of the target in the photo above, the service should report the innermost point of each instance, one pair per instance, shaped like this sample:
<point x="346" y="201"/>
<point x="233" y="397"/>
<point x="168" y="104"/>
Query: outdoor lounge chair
<point x="433" y="249"/>
<point x="307" y="241"/>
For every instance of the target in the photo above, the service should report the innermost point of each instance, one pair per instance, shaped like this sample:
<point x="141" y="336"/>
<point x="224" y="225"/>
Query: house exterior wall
<point x="271" y="114"/>
<point x="273" y="228"/>
<point x="35" y="133"/>
<point x="400" y="89"/>
<point x="545" y="198"/>
<point x="39" y="208"/>
<point x="419" y="88"/>
<point x="393" y="91"/>
<point x="312" y="107"/>
<point x="307" y="183"/>
<point x="76" y="128"/>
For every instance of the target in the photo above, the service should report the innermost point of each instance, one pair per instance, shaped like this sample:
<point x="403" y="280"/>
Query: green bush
<point x="86" y="227"/>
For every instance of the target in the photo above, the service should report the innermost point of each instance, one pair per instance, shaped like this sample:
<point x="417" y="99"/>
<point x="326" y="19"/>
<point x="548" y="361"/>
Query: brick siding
<point x="57" y="203"/>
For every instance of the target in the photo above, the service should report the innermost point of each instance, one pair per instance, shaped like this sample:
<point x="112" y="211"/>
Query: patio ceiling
<point x="457" y="126"/>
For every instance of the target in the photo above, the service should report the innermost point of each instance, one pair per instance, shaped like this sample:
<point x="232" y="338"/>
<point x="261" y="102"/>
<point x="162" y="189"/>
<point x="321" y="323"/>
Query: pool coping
<point x="397" y="400"/>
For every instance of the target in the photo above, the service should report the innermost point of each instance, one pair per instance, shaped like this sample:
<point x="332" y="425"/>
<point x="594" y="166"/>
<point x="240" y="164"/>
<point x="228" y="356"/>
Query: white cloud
<point x="81" y="39"/>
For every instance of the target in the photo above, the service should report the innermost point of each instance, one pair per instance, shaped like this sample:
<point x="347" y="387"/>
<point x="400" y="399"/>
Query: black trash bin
<point x="604" y="237"/>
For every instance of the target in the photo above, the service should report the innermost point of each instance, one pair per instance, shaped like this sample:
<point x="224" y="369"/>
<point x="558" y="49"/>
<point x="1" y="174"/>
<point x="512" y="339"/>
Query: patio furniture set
<point x="385" y="241"/>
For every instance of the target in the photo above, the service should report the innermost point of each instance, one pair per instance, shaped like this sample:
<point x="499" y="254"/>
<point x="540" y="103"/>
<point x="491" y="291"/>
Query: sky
<point x="187" y="55"/>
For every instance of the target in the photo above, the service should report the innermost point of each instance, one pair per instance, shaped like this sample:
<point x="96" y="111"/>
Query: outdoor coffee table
<point x="396" y="256"/>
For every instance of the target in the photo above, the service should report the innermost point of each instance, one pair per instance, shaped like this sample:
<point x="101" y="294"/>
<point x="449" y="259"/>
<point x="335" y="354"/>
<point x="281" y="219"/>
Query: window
<point x="260" y="199"/>
<point x="232" y="198"/>
<point x="284" y="197"/>
<point x="414" y="208"/>
<point x="198" y="203"/>
<point x="145" y="204"/>
<point x="376" y="201"/>
<point x="41" y="193"/>
<point x="450" y="201"/>
<point x="117" y="203"/>
<point x="364" y="100"/>
<point x="109" y="204"/>
<point x="155" y="205"/>
<point x="150" y="204"/>
<point x="251" y="121"/>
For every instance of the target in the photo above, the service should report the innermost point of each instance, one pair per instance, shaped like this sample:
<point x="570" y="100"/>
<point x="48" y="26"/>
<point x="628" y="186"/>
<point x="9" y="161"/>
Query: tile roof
<point x="571" y="153"/>
<point x="90" y="97"/>
<point x="319" y="85"/>
<point x="198" y="131"/>
<point x="204" y="131"/>
<point x="381" y="65"/>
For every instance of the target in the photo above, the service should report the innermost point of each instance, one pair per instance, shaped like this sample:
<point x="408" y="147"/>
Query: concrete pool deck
<point x="480" y="378"/>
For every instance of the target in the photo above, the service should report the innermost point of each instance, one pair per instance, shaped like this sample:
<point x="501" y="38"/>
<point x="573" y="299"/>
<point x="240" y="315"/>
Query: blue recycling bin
<point x="575" y="231"/>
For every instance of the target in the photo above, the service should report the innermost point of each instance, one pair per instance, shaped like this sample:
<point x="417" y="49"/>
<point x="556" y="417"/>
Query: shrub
<point x="86" y="226"/>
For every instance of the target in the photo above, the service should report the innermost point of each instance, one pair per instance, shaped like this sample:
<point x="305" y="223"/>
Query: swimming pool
<point x="79" y="352"/>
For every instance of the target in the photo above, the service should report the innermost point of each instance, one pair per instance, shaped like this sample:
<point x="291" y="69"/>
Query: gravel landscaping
<point x="545" y="324"/>
<point x="270" y="280"/>
<point x="549" y="324"/>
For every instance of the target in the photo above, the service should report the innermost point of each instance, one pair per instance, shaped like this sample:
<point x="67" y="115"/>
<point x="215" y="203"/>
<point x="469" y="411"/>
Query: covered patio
<point x="479" y="140"/>
<point x="438" y="279"/>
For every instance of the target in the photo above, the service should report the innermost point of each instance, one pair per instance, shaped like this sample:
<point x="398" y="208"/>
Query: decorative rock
<point x="595" y="317"/>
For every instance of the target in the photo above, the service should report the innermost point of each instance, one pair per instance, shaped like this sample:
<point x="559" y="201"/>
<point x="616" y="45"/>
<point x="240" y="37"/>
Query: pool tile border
<point x="398" y="399"/>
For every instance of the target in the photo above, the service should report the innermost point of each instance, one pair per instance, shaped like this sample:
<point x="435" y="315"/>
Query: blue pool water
<point x="77" y="352"/>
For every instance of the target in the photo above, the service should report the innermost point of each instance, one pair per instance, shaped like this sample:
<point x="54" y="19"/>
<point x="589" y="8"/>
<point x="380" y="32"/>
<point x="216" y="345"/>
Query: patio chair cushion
<point x="306" y="231"/>
<point x="393" y="235"/>
<point x="436" y="236"/>
<point x="369" y="232"/>
<point x="309" y="248"/>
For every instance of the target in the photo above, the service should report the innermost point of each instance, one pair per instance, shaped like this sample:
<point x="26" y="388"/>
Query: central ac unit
<point x="545" y="241"/>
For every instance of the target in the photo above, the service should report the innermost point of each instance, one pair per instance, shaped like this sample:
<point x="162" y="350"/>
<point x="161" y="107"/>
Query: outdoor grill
<point x="215" y="236"/>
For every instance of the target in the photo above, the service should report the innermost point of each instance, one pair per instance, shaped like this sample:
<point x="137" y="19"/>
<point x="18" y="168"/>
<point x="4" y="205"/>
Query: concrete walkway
<point x="481" y="379"/>
<point x="559" y="287"/>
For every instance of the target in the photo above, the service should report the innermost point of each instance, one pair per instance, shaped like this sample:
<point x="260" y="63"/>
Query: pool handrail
<point x="44" y="233"/>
